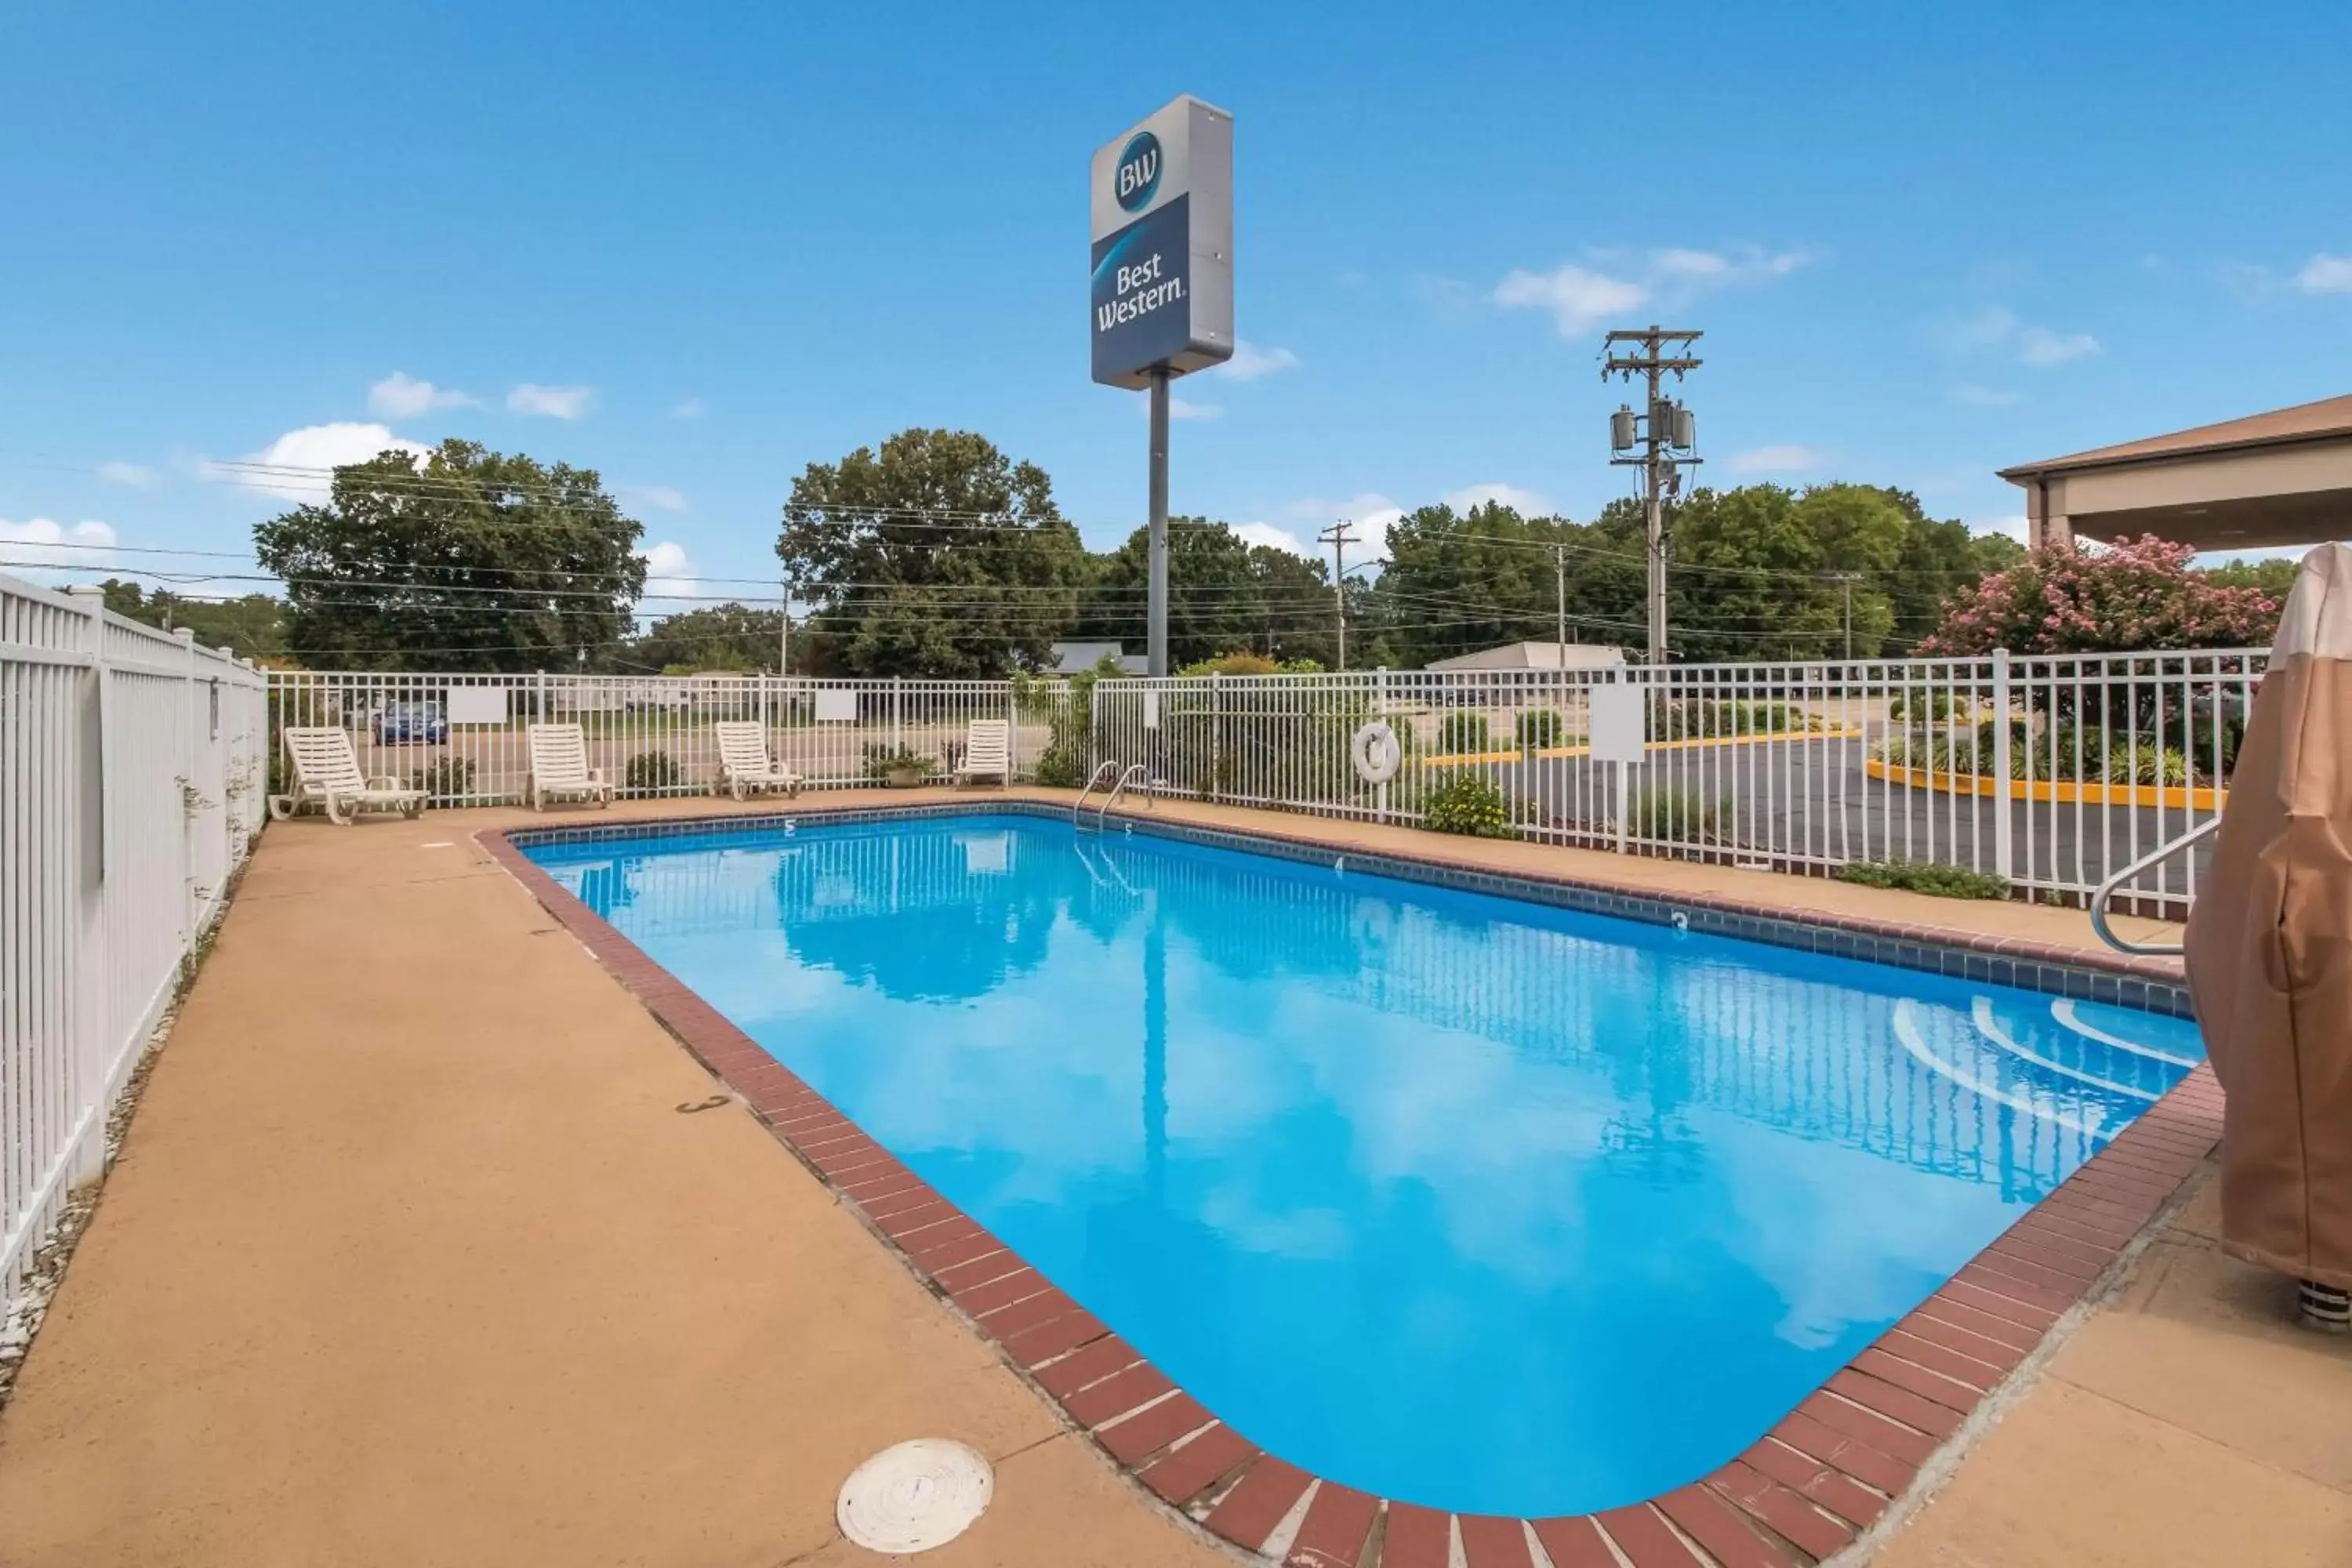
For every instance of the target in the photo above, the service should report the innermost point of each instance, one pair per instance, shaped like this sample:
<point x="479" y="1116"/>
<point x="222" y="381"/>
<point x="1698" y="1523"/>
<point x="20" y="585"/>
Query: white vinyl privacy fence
<point x="131" y="765"/>
<point x="2047" y="773"/>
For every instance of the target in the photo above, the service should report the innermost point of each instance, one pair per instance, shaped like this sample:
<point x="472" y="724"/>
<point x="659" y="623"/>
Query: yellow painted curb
<point x="2062" y="791"/>
<point x="1467" y="759"/>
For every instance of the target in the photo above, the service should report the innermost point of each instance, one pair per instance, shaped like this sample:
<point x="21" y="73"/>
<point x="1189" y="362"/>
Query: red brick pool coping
<point x="1806" y="1490"/>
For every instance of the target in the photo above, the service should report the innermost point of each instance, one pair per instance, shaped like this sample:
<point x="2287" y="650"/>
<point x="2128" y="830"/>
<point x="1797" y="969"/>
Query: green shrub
<point x="1923" y="877"/>
<point x="881" y="761"/>
<point x="651" y="771"/>
<point x="1680" y="816"/>
<point x="1464" y="733"/>
<point x="1468" y="804"/>
<point x="1538" y="728"/>
<point x="1921" y="702"/>
<point x="445" y="779"/>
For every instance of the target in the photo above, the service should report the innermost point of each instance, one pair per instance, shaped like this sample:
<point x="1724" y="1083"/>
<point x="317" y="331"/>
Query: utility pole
<point x="1338" y="537"/>
<point x="1560" y="593"/>
<point x="1846" y="580"/>
<point x="1668" y="435"/>
<point x="785" y="637"/>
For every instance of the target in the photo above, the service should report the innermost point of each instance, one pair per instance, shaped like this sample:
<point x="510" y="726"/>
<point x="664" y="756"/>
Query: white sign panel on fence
<point x="1617" y="725"/>
<point x="1151" y="710"/>
<point x="477" y="705"/>
<point x="836" y="705"/>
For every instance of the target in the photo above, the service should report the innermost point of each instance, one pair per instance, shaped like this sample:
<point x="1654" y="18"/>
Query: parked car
<point x="423" y="723"/>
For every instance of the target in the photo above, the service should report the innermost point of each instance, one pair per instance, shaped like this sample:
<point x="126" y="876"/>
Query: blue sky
<point x="696" y="248"/>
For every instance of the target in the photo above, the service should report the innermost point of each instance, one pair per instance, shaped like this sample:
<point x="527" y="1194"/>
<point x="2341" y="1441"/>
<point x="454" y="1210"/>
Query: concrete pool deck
<point x="410" y="1258"/>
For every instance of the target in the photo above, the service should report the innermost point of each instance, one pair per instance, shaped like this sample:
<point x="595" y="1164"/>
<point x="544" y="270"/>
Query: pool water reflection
<point x="1452" y="1198"/>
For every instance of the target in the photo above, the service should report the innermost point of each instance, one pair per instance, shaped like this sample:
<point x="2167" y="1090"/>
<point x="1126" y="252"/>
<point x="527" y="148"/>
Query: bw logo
<point x="1137" y="174"/>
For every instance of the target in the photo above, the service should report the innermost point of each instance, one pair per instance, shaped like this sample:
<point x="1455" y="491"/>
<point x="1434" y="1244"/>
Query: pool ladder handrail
<point x="1109" y="765"/>
<point x="1119" y="789"/>
<point x="2108" y="888"/>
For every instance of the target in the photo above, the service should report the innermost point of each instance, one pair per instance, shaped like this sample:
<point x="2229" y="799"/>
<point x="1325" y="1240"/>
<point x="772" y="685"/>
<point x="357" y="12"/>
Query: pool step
<point x="1954" y="1050"/>
<point x="1991" y="1029"/>
<point x="2069" y="1016"/>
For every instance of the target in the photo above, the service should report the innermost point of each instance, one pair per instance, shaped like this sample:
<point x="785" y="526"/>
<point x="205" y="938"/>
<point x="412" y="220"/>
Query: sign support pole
<point x="1158" y="615"/>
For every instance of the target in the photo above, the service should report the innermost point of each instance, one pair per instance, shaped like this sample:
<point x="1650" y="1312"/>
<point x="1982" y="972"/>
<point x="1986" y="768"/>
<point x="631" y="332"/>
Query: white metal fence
<point x="129" y="793"/>
<point x="2045" y="772"/>
<point x="465" y="737"/>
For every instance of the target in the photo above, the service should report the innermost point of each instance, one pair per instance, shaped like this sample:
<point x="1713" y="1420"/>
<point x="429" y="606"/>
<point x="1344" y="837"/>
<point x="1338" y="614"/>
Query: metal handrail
<point x="1100" y="768"/>
<point x="1103" y="814"/>
<point x="2108" y="890"/>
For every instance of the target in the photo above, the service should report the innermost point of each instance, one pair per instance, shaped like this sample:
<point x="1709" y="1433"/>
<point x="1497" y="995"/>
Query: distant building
<point x="1077" y="658"/>
<point x="1536" y="656"/>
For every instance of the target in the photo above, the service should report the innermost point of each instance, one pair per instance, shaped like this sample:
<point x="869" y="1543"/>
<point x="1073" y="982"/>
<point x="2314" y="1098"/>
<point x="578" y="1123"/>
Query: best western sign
<point x="1163" y="244"/>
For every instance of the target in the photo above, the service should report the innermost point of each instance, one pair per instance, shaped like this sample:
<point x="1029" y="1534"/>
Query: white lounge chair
<point x="560" y="770"/>
<point x="987" y="752"/>
<point x="744" y="764"/>
<point x="326" y="773"/>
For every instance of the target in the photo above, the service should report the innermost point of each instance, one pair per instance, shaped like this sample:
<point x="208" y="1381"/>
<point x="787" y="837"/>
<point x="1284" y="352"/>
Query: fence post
<point x="898" y="715"/>
<point x="188" y="790"/>
<point x="88" y="926"/>
<point x="1380" y="716"/>
<point x="2003" y="865"/>
<point x="1216" y="733"/>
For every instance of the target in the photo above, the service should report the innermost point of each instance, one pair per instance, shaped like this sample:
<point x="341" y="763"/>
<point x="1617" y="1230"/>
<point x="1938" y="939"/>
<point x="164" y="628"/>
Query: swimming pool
<point x="1454" y="1198"/>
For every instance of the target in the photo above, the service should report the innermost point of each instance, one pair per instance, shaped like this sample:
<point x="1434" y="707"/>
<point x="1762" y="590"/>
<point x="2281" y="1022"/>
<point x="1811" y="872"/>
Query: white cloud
<point x="1273" y="537"/>
<point x="37" y="547"/>
<point x="1995" y="328"/>
<point x="297" y="466"/>
<point x="1526" y="503"/>
<point x="1579" y="297"/>
<point x="1969" y="395"/>
<point x="692" y="408"/>
<point x="2040" y="346"/>
<point x="2013" y="526"/>
<point x="2325" y="274"/>
<point x="660" y="498"/>
<point x="133" y="474"/>
<point x="555" y="401"/>
<point x="402" y="396"/>
<point x="1177" y="408"/>
<point x="667" y="568"/>
<point x="1250" y="361"/>
<point x="1575" y="298"/>
<point x="1987" y="327"/>
<point x="1785" y="458"/>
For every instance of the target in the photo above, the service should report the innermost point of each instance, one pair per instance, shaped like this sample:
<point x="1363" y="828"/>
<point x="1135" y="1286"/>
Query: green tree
<point x="1456" y="583"/>
<point x="252" y="625"/>
<point x="1224" y="594"/>
<point x="2274" y="579"/>
<point x="474" y="560"/>
<point x="936" y="555"/>
<point x="720" y="637"/>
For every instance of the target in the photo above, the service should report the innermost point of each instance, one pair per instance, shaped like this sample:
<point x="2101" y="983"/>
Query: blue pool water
<point x="1454" y="1198"/>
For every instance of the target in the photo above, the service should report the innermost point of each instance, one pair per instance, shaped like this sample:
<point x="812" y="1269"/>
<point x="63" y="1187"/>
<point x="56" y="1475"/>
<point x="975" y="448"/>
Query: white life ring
<point x="1376" y="754"/>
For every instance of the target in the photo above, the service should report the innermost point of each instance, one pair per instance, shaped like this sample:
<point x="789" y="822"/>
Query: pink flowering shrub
<point x="2121" y="599"/>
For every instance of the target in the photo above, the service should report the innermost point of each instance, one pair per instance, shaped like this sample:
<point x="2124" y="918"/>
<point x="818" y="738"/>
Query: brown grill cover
<point x="2269" y="946"/>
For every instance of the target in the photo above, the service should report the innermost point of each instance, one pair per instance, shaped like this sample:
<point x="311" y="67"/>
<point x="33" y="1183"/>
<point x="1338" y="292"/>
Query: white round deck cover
<point x="914" y="1496"/>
